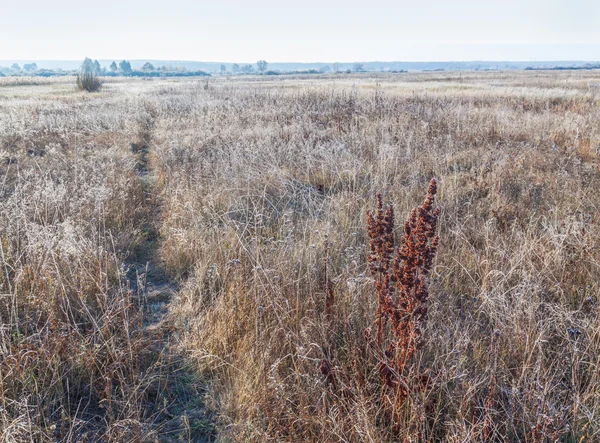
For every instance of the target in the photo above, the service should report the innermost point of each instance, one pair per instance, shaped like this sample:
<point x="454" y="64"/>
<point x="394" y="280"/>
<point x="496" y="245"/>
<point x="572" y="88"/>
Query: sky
<point x="301" y="31"/>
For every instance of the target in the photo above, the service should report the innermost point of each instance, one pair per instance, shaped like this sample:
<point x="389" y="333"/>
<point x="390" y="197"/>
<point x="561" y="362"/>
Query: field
<point x="188" y="260"/>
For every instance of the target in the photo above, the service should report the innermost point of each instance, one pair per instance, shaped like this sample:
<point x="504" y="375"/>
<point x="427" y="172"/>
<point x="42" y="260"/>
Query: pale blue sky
<point x="305" y="30"/>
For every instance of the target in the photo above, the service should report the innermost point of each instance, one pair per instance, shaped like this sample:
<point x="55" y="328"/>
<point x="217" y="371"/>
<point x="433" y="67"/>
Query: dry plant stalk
<point x="401" y="284"/>
<point x="327" y="284"/>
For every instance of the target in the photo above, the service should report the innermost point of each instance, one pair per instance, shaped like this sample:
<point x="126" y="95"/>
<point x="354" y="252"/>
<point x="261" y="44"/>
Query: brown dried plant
<point x="401" y="285"/>
<point x="327" y="284"/>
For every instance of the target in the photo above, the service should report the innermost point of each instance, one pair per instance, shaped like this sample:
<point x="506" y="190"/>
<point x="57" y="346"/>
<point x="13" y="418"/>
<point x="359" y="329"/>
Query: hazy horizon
<point x="314" y="32"/>
<point x="573" y="50"/>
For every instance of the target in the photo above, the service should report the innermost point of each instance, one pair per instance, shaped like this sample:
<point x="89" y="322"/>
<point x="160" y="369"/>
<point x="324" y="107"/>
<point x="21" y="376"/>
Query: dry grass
<point x="250" y="177"/>
<point x="76" y="360"/>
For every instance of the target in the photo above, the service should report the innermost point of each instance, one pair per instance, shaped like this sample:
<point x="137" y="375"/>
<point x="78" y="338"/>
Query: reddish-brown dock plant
<point x="401" y="284"/>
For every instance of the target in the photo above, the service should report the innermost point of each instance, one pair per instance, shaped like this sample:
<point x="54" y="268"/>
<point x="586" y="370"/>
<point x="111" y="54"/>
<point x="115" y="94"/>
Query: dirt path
<point x="146" y="277"/>
<point x="179" y="413"/>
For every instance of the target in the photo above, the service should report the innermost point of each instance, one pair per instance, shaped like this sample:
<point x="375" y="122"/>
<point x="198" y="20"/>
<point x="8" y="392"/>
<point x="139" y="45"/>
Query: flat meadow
<point x="191" y="259"/>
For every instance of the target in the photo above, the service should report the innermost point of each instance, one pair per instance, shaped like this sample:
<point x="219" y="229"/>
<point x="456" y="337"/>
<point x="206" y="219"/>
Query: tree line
<point x="93" y="68"/>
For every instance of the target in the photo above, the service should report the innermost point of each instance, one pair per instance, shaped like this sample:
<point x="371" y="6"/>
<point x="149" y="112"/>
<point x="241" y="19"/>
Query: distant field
<point x="187" y="259"/>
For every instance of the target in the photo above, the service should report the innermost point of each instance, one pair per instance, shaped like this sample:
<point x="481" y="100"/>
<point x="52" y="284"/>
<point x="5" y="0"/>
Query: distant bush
<point x="48" y="73"/>
<point x="87" y="79"/>
<point x="30" y="67"/>
<point x="358" y="67"/>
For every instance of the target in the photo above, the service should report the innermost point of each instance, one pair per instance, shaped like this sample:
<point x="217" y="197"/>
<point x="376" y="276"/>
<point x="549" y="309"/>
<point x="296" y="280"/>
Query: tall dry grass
<point x="257" y="176"/>
<point x="77" y="362"/>
<point x="261" y="188"/>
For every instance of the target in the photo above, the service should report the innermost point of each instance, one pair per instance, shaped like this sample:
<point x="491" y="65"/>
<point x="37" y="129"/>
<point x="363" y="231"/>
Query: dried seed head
<point x="403" y="275"/>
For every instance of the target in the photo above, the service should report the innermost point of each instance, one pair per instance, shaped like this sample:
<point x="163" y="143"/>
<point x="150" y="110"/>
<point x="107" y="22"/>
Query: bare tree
<point x="262" y="65"/>
<point x="147" y="67"/>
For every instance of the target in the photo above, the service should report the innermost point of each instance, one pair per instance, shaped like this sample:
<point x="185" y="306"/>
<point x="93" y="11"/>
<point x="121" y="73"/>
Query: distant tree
<point x="88" y="65"/>
<point x="235" y="68"/>
<point x="125" y="67"/>
<point x="97" y="67"/>
<point x="15" y="66"/>
<point x="358" y="67"/>
<point x="336" y="67"/>
<point x="87" y="79"/>
<point x="148" y="67"/>
<point x="30" y="67"/>
<point x="248" y="69"/>
<point x="325" y="69"/>
<point x="262" y="65"/>
<point x="113" y="67"/>
<point x="223" y="69"/>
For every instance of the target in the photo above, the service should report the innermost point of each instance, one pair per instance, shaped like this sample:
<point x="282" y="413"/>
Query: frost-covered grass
<point x="251" y="174"/>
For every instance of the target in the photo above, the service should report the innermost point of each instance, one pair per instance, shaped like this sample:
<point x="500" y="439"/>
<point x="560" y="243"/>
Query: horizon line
<point x="307" y="62"/>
